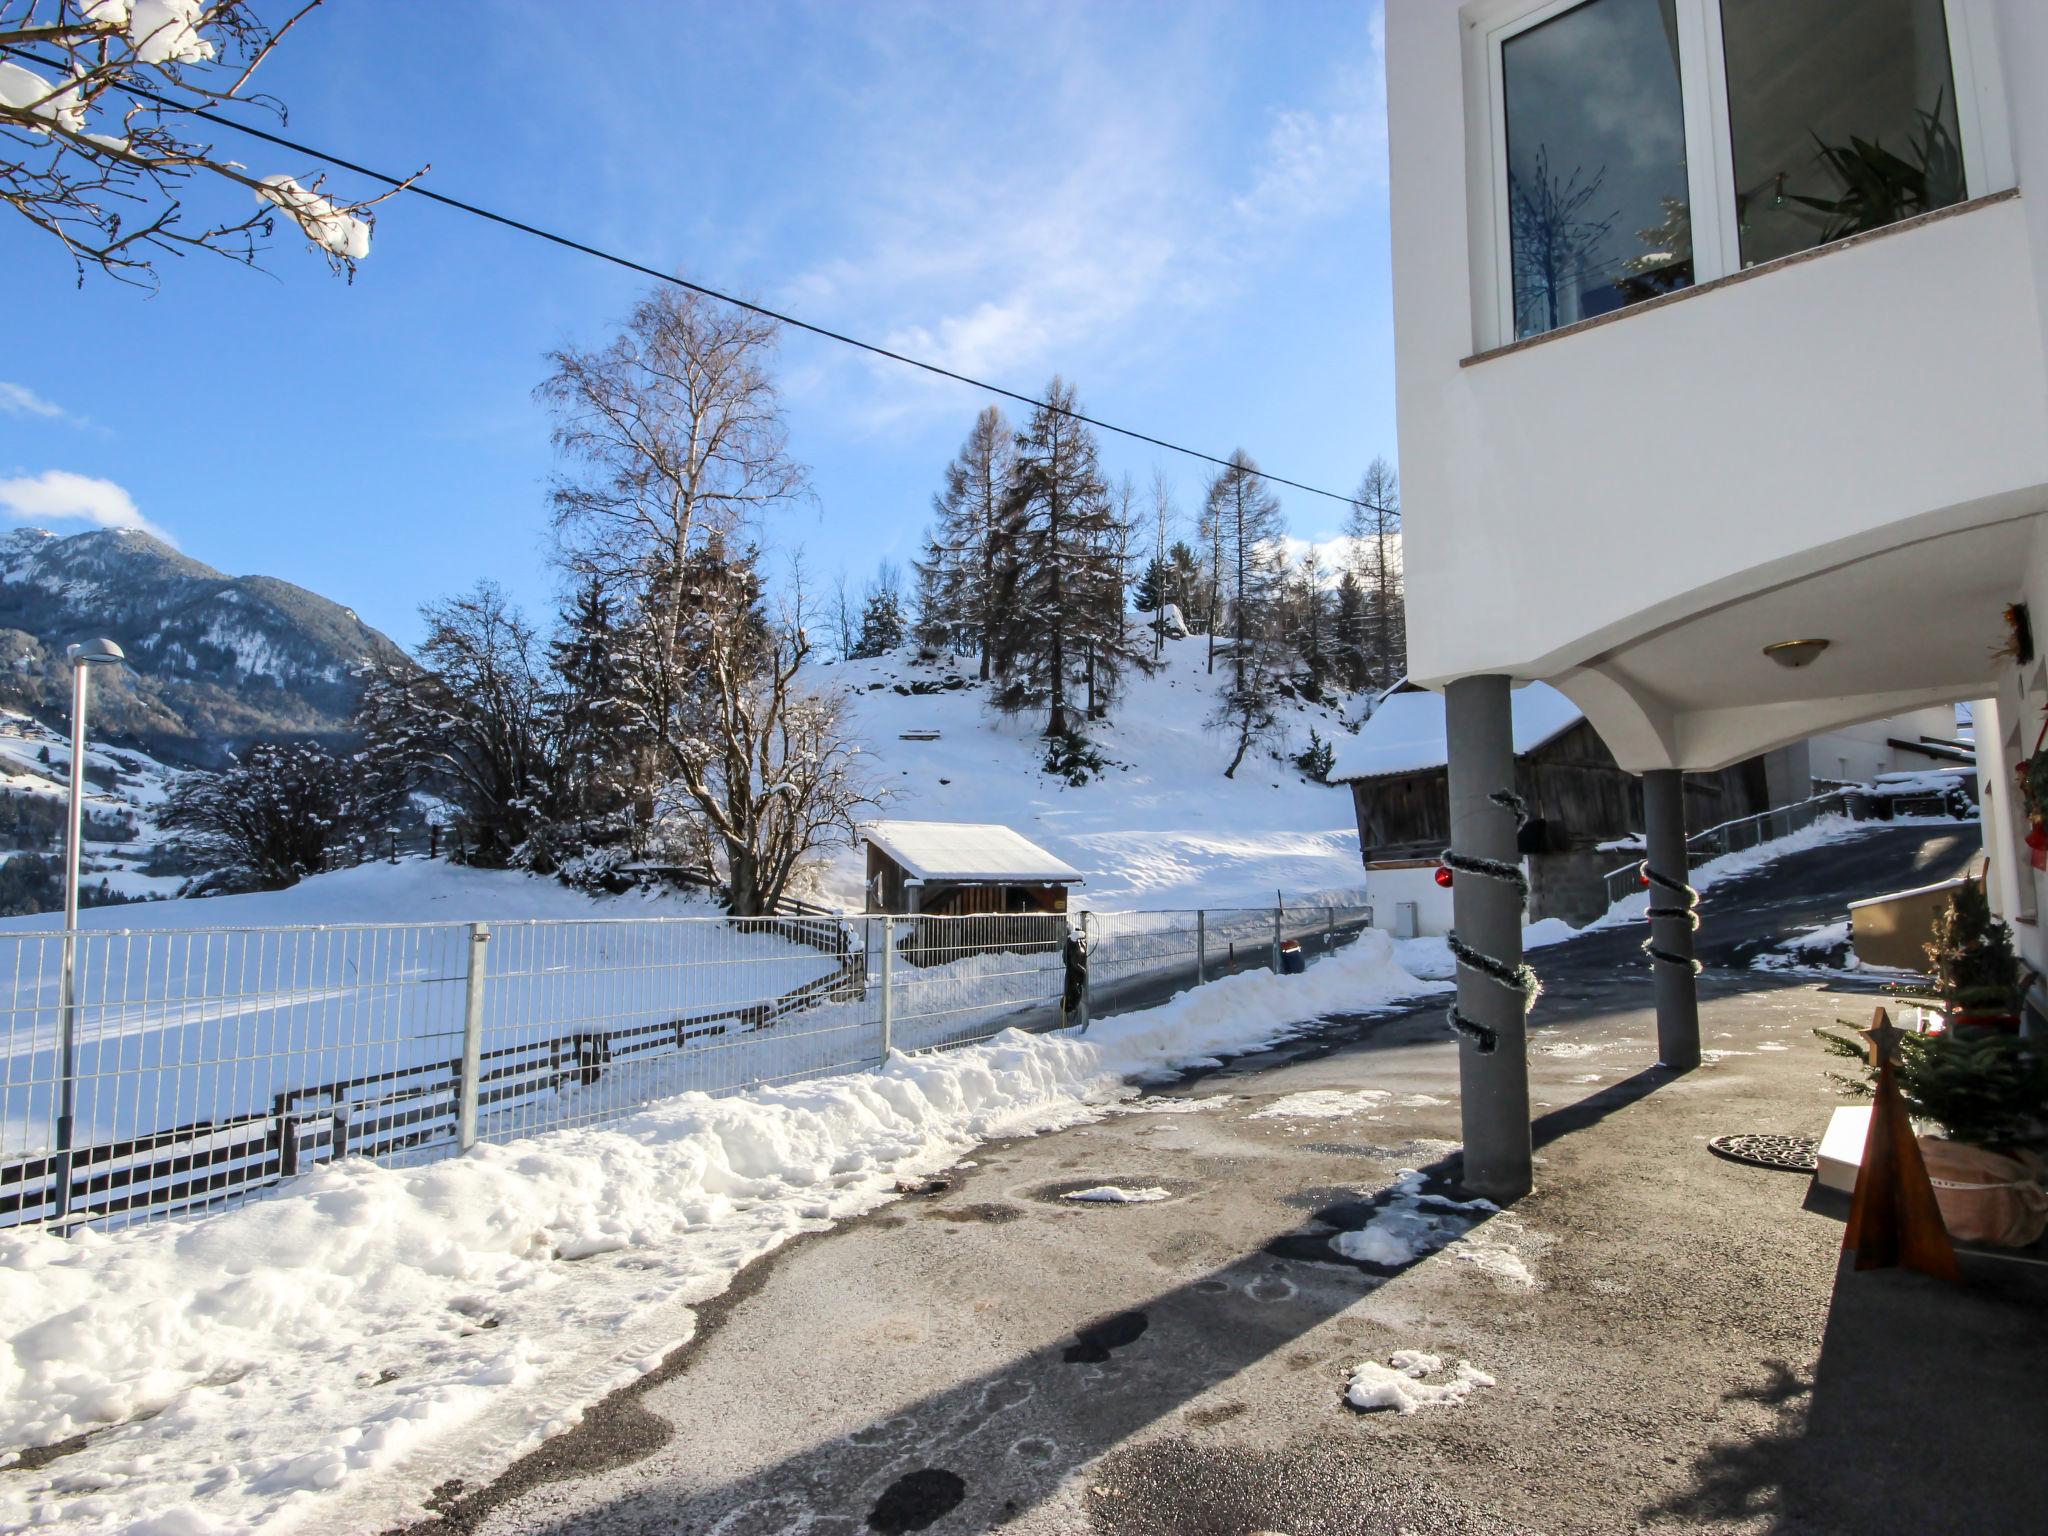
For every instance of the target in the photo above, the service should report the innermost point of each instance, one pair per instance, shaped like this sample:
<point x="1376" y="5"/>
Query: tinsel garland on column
<point x="1519" y="979"/>
<point x="1689" y="910"/>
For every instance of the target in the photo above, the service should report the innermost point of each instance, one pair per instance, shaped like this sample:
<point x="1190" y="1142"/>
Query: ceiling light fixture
<point x="1795" y="653"/>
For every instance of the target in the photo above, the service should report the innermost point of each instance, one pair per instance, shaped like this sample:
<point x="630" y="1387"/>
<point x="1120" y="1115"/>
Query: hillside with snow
<point x="1161" y="826"/>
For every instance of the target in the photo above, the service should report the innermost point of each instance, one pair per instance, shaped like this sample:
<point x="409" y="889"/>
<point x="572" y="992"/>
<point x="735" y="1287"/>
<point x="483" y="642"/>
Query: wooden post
<point x="1894" y="1221"/>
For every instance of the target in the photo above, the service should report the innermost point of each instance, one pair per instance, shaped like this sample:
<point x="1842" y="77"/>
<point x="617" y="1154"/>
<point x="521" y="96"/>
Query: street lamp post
<point x="83" y="658"/>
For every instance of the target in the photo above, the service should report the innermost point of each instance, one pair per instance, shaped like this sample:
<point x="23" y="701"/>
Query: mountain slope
<point x="215" y="660"/>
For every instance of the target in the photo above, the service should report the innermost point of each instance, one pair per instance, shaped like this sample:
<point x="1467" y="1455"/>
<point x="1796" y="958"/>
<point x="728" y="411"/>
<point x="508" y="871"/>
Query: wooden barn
<point x="1579" y="798"/>
<point x="954" y="868"/>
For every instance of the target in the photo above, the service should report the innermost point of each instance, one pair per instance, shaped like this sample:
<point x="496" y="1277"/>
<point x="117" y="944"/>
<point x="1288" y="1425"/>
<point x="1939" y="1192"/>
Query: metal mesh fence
<point x="193" y="1068"/>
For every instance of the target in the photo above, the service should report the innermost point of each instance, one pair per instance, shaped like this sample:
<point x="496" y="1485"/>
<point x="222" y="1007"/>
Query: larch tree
<point x="1242" y="516"/>
<point x="101" y="145"/>
<point x="1374" y="526"/>
<point x="965" y="553"/>
<point x="1059" y="598"/>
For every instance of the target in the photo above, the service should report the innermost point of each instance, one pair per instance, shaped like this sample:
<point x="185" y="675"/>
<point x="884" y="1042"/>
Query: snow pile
<point x="1402" y="1384"/>
<point x="323" y="1358"/>
<point x="1411" y="1225"/>
<point x="333" y="229"/>
<point x="1114" y="1194"/>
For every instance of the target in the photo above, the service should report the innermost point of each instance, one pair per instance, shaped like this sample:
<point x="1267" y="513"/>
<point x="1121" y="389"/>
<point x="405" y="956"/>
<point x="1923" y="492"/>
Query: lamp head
<point x="1795" y="653"/>
<point x="100" y="652"/>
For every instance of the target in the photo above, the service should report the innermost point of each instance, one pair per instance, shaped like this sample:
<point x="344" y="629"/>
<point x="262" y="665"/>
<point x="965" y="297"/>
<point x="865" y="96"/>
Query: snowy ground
<point x="321" y="1360"/>
<point x="1161" y="827"/>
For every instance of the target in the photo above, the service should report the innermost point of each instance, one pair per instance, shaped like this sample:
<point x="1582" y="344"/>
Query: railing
<point x="1736" y="836"/>
<point x="208" y="1065"/>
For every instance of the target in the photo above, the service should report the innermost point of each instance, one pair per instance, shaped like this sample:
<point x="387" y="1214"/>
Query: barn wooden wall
<point x="1575" y="789"/>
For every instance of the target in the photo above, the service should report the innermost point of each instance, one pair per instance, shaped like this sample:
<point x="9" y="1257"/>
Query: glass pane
<point x="1843" y="118"/>
<point x="1597" y="209"/>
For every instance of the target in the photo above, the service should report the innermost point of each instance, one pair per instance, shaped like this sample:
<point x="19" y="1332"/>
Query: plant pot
<point x="1986" y="1196"/>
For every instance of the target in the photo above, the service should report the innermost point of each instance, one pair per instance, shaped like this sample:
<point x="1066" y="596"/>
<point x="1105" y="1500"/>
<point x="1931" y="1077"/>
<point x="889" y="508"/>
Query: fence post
<point x="888" y="984"/>
<point x="472" y="1038"/>
<point x="1278" y="913"/>
<point x="1201" y="946"/>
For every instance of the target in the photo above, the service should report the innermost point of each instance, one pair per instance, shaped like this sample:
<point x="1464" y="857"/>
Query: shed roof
<point x="1406" y="733"/>
<point x="963" y="850"/>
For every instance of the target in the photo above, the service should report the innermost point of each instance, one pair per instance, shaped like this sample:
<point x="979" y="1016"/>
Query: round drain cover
<point x="1761" y="1149"/>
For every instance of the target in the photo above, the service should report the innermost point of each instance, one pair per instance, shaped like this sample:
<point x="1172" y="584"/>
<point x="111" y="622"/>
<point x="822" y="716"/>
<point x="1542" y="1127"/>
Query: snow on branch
<point x="99" y="134"/>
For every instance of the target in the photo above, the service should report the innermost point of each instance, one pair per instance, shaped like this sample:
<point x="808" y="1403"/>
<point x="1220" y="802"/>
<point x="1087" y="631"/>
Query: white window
<point x="1640" y="146"/>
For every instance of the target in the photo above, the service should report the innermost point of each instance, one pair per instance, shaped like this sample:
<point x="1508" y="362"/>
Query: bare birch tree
<point x="776" y="774"/>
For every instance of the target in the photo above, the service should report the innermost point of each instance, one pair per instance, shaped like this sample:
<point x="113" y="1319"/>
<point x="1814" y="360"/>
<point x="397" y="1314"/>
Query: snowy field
<point x="1160" y="828"/>
<point x="321" y="1360"/>
<point x="176" y="1027"/>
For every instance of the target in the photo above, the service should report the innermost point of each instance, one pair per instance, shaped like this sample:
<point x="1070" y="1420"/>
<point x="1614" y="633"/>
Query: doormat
<point x="1762" y="1149"/>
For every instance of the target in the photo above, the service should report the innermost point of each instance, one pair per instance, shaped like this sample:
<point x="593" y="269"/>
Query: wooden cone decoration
<point x="1893" y="1218"/>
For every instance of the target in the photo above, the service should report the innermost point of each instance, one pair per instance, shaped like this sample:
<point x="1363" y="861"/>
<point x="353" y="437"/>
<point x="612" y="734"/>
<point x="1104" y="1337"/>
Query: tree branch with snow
<point x="100" y="123"/>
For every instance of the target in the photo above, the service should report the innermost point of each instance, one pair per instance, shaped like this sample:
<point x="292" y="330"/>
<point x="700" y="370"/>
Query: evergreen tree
<point x="1059" y="598"/>
<point x="1153" y="584"/>
<point x="965" y="554"/>
<point x="882" y="623"/>
<point x="600" y="757"/>
<point x="1184" y="580"/>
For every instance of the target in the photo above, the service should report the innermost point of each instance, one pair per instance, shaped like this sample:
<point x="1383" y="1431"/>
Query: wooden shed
<point x="957" y="868"/>
<point x="1579" y="798"/>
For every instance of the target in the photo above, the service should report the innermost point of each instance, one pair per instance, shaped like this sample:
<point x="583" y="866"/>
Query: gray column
<point x="1493" y="1086"/>
<point x="1670" y="945"/>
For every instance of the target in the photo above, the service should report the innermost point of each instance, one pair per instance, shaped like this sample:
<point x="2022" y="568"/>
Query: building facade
<point x="1722" y="382"/>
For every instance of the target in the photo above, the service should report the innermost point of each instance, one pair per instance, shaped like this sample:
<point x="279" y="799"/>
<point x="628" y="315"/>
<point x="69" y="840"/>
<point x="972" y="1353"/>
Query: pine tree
<point x="881" y="623"/>
<point x="599" y="755"/>
<point x="1059" y="597"/>
<point x="966" y="550"/>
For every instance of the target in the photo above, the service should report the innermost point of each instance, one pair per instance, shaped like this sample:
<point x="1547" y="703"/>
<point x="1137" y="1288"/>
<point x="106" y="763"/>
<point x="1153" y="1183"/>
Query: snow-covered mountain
<point x="217" y="660"/>
<point x="1161" y="827"/>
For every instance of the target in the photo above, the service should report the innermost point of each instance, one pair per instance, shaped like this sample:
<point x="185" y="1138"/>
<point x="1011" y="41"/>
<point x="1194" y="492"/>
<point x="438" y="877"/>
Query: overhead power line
<point x="794" y="322"/>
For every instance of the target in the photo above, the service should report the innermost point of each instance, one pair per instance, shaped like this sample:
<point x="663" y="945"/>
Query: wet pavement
<point x="1668" y="1337"/>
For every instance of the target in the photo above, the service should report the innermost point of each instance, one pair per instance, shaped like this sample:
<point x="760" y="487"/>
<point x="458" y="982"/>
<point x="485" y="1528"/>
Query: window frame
<point x="1709" y="140"/>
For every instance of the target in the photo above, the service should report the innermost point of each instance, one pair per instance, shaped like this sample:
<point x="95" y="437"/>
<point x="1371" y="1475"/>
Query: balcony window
<point x="1598" y="213"/>
<point x="1641" y="146"/>
<point x="1842" y="119"/>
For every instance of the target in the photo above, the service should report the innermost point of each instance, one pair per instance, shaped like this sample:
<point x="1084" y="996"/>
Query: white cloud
<point x="58" y="495"/>
<point x="20" y="400"/>
<point x="1079" y="233"/>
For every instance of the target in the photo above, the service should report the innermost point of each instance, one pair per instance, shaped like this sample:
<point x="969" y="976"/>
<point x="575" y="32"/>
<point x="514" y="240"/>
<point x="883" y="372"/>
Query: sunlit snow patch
<point x="1114" y="1194"/>
<point x="1403" y="1385"/>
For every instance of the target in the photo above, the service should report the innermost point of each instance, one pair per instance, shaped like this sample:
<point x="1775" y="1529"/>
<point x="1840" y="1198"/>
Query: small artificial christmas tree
<point x="1971" y="956"/>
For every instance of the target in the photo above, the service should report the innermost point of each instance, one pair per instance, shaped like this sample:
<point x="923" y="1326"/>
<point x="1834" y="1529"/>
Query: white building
<point x="1722" y="393"/>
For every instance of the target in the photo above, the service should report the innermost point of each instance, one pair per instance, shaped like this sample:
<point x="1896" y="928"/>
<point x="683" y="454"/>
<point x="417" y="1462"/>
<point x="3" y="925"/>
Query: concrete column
<point x="1678" y="1004"/>
<point x="1493" y="1086"/>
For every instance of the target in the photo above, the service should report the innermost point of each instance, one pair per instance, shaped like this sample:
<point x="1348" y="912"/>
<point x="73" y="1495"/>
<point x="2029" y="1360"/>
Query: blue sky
<point x="1182" y="208"/>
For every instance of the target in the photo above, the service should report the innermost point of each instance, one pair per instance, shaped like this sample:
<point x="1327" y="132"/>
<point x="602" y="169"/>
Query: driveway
<point x="1666" y="1334"/>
